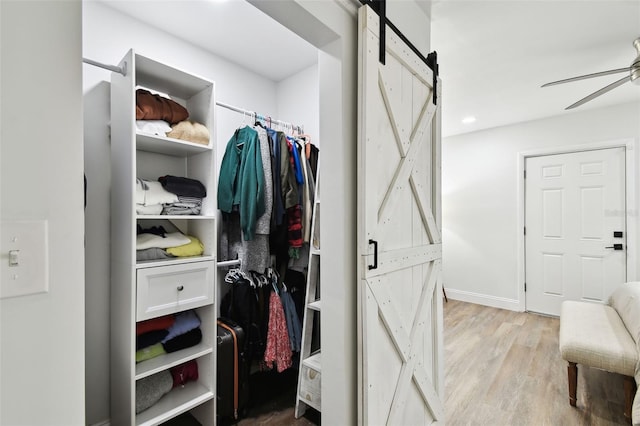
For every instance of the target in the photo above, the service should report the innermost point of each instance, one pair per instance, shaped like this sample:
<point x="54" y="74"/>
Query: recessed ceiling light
<point x="469" y="120"/>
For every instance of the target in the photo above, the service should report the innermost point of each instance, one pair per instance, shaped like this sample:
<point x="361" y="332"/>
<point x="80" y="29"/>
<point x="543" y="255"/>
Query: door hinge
<point x="525" y="230"/>
<point x="525" y="287"/>
<point x="525" y="174"/>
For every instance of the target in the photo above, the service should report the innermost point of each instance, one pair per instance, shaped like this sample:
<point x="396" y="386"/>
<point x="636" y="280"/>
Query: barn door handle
<point x="375" y="254"/>
<point x="615" y="247"/>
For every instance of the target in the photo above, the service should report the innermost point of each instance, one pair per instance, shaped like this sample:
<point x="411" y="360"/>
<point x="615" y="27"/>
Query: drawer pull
<point x="180" y="287"/>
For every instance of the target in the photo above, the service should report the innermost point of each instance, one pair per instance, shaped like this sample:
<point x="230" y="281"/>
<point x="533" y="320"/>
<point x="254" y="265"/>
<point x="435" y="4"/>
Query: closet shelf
<point x="179" y="260"/>
<point x="165" y="78"/>
<point x="313" y="362"/>
<point x="309" y="375"/>
<point x="169" y="146"/>
<point x="173" y="217"/>
<point x="166" y="361"/>
<point x="176" y="402"/>
<point x="147" y="289"/>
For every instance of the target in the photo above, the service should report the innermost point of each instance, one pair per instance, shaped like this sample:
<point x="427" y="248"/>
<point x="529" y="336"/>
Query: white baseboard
<point x="483" y="299"/>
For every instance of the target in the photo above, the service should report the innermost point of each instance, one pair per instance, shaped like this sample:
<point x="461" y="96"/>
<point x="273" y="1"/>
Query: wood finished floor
<point x="273" y="399"/>
<point x="502" y="368"/>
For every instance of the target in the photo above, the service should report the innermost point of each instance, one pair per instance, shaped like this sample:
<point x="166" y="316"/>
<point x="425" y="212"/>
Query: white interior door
<point x="574" y="203"/>
<point x="399" y="293"/>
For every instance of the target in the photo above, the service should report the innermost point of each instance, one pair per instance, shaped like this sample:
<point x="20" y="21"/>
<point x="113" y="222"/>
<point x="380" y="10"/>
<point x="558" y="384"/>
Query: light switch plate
<point x="24" y="242"/>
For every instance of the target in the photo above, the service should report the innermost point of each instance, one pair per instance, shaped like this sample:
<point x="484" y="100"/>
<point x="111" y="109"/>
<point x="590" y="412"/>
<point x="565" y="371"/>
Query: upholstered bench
<point x="598" y="336"/>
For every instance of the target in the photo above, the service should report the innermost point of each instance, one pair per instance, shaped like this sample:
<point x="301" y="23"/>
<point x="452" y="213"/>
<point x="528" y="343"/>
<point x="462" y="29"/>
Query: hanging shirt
<point x="287" y="175"/>
<point x="278" y="202"/>
<point x="293" y="321"/>
<point x="241" y="182"/>
<point x="263" y="222"/>
<point x="296" y="159"/>
<point x="308" y="196"/>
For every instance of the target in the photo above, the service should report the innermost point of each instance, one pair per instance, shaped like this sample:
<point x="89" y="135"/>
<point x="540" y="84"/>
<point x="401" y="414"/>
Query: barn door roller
<point x="380" y="7"/>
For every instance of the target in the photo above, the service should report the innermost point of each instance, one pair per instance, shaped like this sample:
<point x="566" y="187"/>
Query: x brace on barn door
<point x="380" y="7"/>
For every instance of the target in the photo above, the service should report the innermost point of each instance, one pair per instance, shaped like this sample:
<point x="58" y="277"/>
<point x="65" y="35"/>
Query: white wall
<point x="299" y="101"/>
<point x="412" y="21"/>
<point x="479" y="196"/>
<point x="234" y="85"/>
<point x="42" y="336"/>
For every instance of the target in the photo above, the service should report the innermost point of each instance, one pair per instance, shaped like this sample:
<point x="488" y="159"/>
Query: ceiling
<point x="232" y="29"/>
<point x="494" y="55"/>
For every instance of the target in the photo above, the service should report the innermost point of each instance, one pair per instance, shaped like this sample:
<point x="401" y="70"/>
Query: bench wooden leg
<point x="572" y="370"/>
<point x="629" y="393"/>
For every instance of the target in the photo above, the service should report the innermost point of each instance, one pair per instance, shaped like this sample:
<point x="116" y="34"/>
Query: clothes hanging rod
<point x="120" y="70"/>
<point x="260" y="117"/>
<point x="226" y="263"/>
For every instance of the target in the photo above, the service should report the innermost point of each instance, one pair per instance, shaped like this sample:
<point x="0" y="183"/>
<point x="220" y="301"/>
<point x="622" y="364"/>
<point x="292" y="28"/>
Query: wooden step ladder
<point x="308" y="394"/>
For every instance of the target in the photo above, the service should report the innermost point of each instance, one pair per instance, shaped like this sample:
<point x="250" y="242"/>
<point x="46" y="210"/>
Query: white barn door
<point x="399" y="290"/>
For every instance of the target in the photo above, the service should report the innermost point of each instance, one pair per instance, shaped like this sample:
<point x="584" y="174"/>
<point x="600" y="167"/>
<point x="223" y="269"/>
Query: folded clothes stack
<point x="190" y="193"/>
<point x="170" y="195"/>
<point x="162" y="116"/>
<point x="167" y="334"/>
<point x="156" y="244"/>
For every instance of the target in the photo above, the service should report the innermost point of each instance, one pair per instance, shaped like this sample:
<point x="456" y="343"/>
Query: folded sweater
<point x="150" y="389"/>
<point x="190" y="131"/>
<point x="155" y="107"/>
<point x="185" y="322"/>
<point x="159" y="323"/>
<point x="183" y="186"/>
<point x="151" y="193"/>
<point x="183" y="341"/>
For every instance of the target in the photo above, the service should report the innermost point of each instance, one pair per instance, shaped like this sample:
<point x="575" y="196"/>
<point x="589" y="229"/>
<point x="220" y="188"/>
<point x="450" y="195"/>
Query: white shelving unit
<point x="149" y="289"/>
<point x="310" y="374"/>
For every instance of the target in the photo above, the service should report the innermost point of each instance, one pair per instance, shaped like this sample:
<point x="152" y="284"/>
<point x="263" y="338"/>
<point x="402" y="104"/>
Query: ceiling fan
<point x="634" y="75"/>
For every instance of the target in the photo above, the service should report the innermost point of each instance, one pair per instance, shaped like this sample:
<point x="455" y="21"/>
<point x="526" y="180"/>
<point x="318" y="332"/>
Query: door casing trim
<point x="631" y="146"/>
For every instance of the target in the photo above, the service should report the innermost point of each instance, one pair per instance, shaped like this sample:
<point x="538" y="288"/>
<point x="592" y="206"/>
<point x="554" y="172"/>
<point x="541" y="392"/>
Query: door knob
<point x="615" y="247"/>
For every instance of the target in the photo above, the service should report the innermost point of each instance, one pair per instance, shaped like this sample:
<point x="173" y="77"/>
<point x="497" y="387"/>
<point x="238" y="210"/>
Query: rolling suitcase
<point x="232" y="371"/>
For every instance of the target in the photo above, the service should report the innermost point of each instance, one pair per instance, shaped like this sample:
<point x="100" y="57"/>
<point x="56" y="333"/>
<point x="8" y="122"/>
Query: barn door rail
<point x="431" y="60"/>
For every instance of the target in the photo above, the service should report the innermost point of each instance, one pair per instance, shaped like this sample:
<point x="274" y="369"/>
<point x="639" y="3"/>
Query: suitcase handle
<point x="235" y="367"/>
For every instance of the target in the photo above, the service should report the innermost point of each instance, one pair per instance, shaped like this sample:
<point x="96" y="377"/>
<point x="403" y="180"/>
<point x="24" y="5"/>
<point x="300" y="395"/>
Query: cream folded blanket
<point x="173" y="239"/>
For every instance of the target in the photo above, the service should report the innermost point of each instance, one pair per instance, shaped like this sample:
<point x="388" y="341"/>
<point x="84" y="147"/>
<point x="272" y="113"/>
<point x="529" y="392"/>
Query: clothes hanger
<point x="232" y="276"/>
<point x="258" y="120"/>
<point x="274" y="284"/>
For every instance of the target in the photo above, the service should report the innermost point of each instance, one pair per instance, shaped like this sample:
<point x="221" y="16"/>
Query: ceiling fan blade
<point x="584" y="77"/>
<point x="600" y="92"/>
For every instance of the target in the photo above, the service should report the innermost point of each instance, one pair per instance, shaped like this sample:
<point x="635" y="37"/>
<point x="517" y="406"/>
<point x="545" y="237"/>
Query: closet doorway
<point x="144" y="27"/>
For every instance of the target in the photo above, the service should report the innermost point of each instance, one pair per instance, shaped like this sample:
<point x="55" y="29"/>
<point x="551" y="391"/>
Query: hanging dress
<point x="278" y="350"/>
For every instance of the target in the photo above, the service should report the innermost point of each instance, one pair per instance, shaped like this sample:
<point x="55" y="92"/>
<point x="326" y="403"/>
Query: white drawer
<point x="168" y="289"/>
<point x="310" y="387"/>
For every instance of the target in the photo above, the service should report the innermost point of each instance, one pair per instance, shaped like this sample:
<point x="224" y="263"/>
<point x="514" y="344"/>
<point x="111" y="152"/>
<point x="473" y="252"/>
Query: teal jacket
<point x="241" y="181"/>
